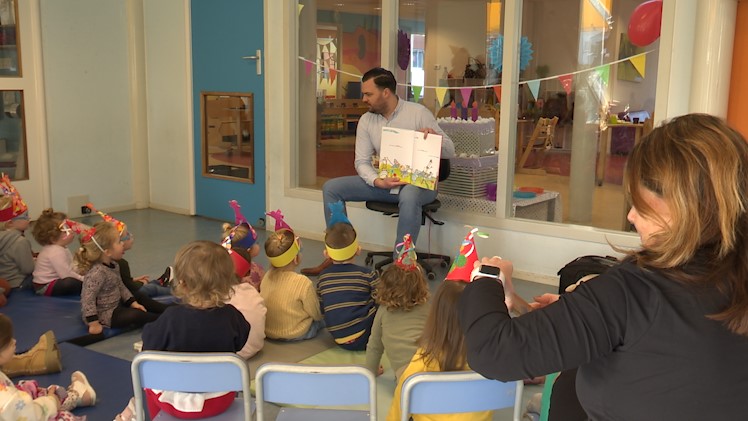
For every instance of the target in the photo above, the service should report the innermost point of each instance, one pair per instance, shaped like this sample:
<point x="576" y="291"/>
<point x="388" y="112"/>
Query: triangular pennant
<point x="465" y="92"/>
<point x="441" y="94"/>
<point x="308" y="67"/>
<point x="534" y="86"/>
<point x="333" y="74"/>
<point x="417" y="93"/>
<point x="497" y="91"/>
<point x="301" y="6"/>
<point x="566" y="82"/>
<point x="604" y="72"/>
<point x="640" y="63"/>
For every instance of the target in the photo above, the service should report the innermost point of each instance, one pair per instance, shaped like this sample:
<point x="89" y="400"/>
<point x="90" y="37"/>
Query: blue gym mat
<point x="109" y="376"/>
<point x="32" y="315"/>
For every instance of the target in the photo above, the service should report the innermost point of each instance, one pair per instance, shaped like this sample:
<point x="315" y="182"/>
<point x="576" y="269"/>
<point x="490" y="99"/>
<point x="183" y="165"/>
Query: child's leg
<point x="313" y="330"/>
<point x="126" y="316"/>
<point x="66" y="286"/>
<point x="154" y="289"/>
<point x="150" y="304"/>
<point x="42" y="358"/>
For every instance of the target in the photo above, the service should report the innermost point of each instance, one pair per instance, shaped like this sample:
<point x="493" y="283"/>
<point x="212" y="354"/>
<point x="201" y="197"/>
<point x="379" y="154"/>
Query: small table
<point x="604" y="145"/>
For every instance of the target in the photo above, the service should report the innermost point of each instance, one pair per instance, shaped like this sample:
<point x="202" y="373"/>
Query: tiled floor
<point x="158" y="236"/>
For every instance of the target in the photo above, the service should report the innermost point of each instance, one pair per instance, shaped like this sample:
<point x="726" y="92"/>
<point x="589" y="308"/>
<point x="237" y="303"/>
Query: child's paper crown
<point x="239" y="219"/>
<point x="290" y="254"/>
<point x="279" y="222"/>
<point x="241" y="265"/>
<point x="463" y="265"/>
<point x="10" y="202"/>
<point x="86" y="233"/>
<point x="406" y="254"/>
<point x="338" y="216"/>
<point x="121" y="227"/>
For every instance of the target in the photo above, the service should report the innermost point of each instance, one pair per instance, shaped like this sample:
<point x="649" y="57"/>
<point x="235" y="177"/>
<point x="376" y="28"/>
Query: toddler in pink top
<point x="242" y="236"/>
<point x="53" y="272"/>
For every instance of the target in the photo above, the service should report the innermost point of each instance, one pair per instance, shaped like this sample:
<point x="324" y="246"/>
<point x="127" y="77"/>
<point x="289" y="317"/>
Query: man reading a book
<point x="386" y="109"/>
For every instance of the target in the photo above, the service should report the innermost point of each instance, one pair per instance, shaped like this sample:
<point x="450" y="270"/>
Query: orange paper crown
<point x="108" y="218"/>
<point x="406" y="254"/>
<point x="462" y="267"/>
<point x="10" y="202"/>
<point x="83" y="230"/>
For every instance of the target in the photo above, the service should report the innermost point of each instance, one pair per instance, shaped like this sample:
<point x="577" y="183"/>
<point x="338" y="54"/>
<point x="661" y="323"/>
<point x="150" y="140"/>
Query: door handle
<point x="258" y="62"/>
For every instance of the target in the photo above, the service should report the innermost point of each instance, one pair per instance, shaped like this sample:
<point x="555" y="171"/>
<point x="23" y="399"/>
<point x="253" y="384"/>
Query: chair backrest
<point x="190" y="372"/>
<point x="542" y="136"/>
<point x="458" y="392"/>
<point x="315" y="385"/>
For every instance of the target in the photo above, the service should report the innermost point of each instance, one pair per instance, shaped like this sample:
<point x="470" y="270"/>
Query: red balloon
<point x="645" y="23"/>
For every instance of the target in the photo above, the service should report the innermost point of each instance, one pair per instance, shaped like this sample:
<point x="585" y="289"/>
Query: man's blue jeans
<point x="410" y="200"/>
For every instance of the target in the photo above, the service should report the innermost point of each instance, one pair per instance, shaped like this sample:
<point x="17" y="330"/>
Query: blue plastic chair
<point x="192" y="373"/>
<point x="318" y="386"/>
<point x="458" y="392"/>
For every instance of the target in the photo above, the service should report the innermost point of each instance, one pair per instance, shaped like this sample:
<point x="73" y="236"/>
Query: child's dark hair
<point x="279" y="242"/>
<point x="442" y="339"/>
<point x="89" y="252"/>
<point x="340" y="235"/>
<point x="47" y="228"/>
<point x="6" y="331"/>
<point x="400" y="289"/>
<point x="204" y="275"/>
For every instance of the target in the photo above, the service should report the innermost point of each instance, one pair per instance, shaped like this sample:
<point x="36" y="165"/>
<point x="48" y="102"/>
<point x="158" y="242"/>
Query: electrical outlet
<point x="77" y="206"/>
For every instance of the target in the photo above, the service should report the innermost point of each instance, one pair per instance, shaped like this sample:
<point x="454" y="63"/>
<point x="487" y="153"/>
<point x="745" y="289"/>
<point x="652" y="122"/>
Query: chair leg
<point x="427" y="268"/>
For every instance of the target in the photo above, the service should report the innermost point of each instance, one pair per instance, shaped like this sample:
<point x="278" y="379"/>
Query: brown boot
<point x="316" y="270"/>
<point x="42" y="358"/>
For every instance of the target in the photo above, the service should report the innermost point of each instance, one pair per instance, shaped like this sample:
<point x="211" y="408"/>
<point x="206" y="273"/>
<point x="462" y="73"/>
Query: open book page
<point x="405" y="154"/>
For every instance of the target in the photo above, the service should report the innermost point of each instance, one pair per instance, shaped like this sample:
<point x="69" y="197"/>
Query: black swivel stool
<point x="391" y="209"/>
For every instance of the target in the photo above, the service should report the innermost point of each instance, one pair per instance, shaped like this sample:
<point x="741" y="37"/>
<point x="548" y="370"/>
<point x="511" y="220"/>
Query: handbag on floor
<point x="582" y="267"/>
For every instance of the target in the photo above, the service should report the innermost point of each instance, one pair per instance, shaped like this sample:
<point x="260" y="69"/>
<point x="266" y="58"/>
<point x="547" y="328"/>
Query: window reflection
<point x="13" y="158"/>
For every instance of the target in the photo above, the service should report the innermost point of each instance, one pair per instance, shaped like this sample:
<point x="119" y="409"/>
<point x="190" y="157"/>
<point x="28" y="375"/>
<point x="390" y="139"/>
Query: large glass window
<point x="338" y="42"/>
<point x="13" y="157"/>
<point x="585" y="97"/>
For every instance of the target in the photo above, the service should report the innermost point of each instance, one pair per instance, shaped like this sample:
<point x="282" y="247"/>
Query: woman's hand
<point x="136" y="305"/>
<point x="94" y="328"/>
<point x="142" y="279"/>
<point x="544" y="300"/>
<point x="507" y="269"/>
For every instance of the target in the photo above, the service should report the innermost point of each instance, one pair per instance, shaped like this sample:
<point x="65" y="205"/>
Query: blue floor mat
<point x="109" y="376"/>
<point x="32" y="315"/>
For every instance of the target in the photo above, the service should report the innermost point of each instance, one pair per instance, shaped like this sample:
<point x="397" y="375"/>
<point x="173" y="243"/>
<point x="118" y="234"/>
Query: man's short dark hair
<point x="383" y="78"/>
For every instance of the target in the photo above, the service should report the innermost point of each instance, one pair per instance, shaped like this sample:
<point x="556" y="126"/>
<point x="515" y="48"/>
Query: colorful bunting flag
<point x="308" y="67"/>
<point x="417" y="93"/>
<point x="604" y="72"/>
<point x="333" y="73"/>
<point x="534" y="86"/>
<point x="465" y="92"/>
<point x="497" y="91"/>
<point x="566" y="82"/>
<point x="640" y="63"/>
<point x="441" y="94"/>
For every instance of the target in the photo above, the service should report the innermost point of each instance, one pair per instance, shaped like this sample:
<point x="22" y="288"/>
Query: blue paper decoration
<point x="496" y="52"/>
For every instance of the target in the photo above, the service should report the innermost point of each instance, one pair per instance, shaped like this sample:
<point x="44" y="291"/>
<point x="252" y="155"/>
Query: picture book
<point x="411" y="157"/>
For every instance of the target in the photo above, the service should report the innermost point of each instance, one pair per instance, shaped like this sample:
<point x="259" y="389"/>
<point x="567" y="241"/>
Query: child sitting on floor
<point x="402" y="295"/>
<point x="345" y="289"/>
<point x="290" y="297"/>
<point x="441" y="346"/>
<point x="104" y="299"/>
<point x="248" y="301"/>
<point x="16" y="258"/>
<point x="54" y="274"/>
<point x="27" y="400"/>
<point x="243" y="236"/>
<point x="142" y="285"/>
<point x="203" y="281"/>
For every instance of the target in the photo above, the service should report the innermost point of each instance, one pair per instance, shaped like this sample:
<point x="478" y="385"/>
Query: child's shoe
<point x="165" y="279"/>
<point x="86" y="395"/>
<point x="42" y="358"/>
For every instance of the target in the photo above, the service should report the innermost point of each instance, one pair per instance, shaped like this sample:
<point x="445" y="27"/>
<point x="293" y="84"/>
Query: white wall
<point x="84" y="45"/>
<point x="168" y="78"/>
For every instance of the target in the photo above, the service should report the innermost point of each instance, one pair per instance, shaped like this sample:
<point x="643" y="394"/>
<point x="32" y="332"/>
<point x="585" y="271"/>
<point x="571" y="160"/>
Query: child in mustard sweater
<point x="293" y="310"/>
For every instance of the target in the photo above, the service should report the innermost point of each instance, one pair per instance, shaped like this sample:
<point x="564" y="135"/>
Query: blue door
<point x="224" y="34"/>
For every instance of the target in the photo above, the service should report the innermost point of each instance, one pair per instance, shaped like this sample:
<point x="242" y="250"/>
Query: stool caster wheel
<point x="431" y="276"/>
<point x="444" y="263"/>
<point x="369" y="260"/>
